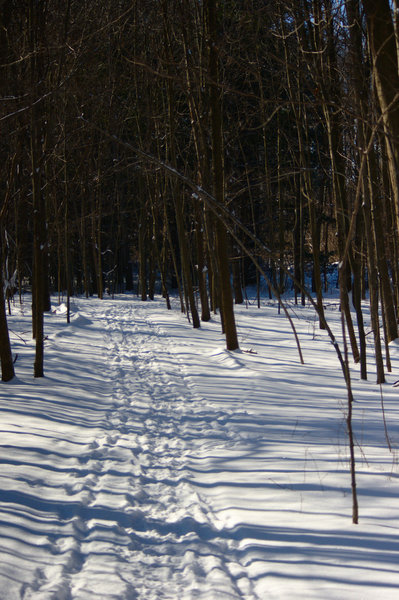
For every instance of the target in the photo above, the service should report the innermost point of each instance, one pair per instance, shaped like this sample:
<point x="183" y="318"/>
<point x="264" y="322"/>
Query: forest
<point x="197" y="147"/>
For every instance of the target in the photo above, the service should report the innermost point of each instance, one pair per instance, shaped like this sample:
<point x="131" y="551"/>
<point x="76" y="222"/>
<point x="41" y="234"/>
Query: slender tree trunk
<point x="67" y="264"/>
<point x="177" y="194"/>
<point x="174" y="258"/>
<point x="373" y="287"/>
<point x="7" y="365"/>
<point x="158" y="257"/>
<point x="227" y="309"/>
<point x="202" y="271"/>
<point x="386" y="78"/>
<point x="198" y="116"/>
<point x="143" y="254"/>
<point x="38" y="251"/>
<point x="36" y="33"/>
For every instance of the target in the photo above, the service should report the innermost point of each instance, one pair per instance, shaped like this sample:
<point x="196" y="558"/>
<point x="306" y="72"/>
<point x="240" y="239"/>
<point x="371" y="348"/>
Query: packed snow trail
<point x="175" y="535"/>
<point x="116" y="514"/>
<point x="152" y="464"/>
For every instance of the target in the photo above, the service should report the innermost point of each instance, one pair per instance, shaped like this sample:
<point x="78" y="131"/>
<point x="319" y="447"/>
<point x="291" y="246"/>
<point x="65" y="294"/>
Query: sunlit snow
<point x="150" y="463"/>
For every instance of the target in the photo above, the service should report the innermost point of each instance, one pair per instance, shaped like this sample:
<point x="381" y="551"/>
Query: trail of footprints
<point x="165" y="530"/>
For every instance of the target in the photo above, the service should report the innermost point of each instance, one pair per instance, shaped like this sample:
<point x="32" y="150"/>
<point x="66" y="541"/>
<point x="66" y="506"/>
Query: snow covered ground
<point x="152" y="464"/>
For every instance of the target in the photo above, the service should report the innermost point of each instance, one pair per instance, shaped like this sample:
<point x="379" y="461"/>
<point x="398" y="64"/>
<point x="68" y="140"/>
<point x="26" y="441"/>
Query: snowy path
<point x="105" y="486"/>
<point x="174" y="533"/>
<point x="151" y="464"/>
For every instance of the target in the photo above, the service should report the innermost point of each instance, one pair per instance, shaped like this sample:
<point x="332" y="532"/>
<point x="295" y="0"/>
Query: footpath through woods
<point x="150" y="463"/>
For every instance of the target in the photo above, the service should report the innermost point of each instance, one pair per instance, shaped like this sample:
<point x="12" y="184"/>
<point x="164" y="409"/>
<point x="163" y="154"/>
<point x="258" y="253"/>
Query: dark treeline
<point x="199" y="143"/>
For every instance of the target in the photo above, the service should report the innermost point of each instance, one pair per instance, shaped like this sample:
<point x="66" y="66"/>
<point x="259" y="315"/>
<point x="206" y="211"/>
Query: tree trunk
<point x="383" y="48"/>
<point x="7" y="365"/>
<point x="226" y="296"/>
<point x="38" y="252"/>
<point x="143" y="254"/>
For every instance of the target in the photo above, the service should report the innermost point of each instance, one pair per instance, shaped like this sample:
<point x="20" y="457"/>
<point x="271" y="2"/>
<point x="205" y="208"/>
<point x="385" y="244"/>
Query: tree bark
<point x="7" y="365"/>
<point x="226" y="296"/>
<point x="386" y="78"/>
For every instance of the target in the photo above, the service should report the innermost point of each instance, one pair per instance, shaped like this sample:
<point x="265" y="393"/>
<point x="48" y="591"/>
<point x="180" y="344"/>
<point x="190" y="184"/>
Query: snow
<point x="152" y="464"/>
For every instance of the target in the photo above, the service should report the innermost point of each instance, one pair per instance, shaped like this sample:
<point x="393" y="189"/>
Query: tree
<point x="382" y="41"/>
<point x="215" y="102"/>
<point x="7" y="365"/>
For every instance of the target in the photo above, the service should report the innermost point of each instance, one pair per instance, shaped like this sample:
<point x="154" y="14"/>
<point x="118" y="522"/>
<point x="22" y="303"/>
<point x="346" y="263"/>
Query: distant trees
<point x="179" y="140"/>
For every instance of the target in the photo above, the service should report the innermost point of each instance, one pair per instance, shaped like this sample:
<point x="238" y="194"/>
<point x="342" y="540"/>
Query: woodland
<point x="197" y="147"/>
